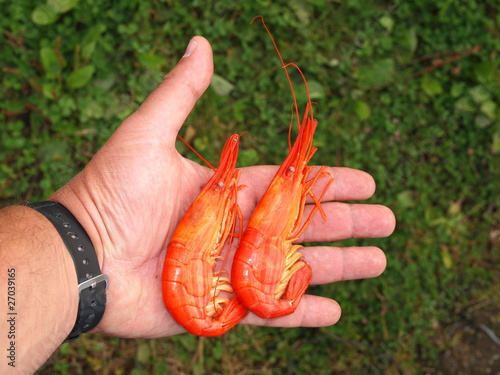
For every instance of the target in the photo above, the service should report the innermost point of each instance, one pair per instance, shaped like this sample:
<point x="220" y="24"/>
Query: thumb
<point x="167" y="107"/>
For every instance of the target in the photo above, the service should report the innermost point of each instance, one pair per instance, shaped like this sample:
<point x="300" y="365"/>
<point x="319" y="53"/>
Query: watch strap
<point x="91" y="283"/>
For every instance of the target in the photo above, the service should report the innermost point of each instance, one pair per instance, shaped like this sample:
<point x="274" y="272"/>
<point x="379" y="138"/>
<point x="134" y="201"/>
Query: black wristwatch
<point x="92" y="283"/>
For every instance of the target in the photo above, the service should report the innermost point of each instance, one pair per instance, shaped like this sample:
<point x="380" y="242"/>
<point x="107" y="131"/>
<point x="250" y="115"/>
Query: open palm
<point x="135" y="190"/>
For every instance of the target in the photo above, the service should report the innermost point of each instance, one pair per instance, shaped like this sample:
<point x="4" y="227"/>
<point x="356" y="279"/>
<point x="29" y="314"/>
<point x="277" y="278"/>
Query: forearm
<point x="39" y="288"/>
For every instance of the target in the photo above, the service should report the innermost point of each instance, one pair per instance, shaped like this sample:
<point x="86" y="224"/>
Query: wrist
<point x="83" y="208"/>
<point x="79" y="203"/>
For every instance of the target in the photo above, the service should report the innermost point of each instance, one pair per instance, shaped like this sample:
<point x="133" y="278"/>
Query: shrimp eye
<point x="290" y="170"/>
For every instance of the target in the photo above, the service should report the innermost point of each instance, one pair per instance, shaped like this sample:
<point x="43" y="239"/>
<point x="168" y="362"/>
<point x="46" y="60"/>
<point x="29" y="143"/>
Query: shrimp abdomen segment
<point x="186" y="295"/>
<point x="201" y="325"/>
<point x="272" y="278"/>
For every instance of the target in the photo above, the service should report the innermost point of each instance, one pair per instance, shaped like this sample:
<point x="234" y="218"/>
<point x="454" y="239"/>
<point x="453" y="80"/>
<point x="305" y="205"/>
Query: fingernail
<point x="190" y="48"/>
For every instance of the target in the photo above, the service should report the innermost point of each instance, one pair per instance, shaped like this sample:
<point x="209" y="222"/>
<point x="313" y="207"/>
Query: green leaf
<point x="94" y="109"/>
<point x="495" y="145"/>
<point x="482" y="121"/>
<point x="455" y="208"/>
<point x="489" y="108"/>
<point x="53" y="151"/>
<point x="218" y="351"/>
<point x="479" y="94"/>
<point x="375" y="75"/>
<point x="406" y="199"/>
<point x="50" y="61"/>
<point x="431" y="86"/>
<point x="143" y="353"/>
<point x="49" y="89"/>
<point x="62" y="6"/>
<point x="44" y="15"/>
<point x="446" y="257"/>
<point x="151" y="61"/>
<point x="248" y="157"/>
<point x="316" y="89"/>
<point x="65" y="349"/>
<point x="67" y="105"/>
<point x="485" y="72"/>
<point x="465" y="104"/>
<point x="221" y="86"/>
<point x="90" y="39"/>
<point x="107" y="82"/>
<point x="444" y="5"/>
<point x="301" y="11"/>
<point x="387" y="22"/>
<point x="80" y="77"/>
<point x="198" y="369"/>
<point x="456" y="89"/>
<point x="362" y="110"/>
<point x="411" y="39"/>
<point x="189" y="342"/>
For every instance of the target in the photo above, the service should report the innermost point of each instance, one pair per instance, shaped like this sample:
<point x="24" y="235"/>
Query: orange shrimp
<point x="190" y="286"/>
<point x="268" y="274"/>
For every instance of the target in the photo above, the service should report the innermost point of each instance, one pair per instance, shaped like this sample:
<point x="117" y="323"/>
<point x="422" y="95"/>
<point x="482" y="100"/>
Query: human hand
<point x="135" y="190"/>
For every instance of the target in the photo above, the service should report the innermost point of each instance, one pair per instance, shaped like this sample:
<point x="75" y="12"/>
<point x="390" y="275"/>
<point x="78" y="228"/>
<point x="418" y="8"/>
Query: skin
<point x="129" y="199"/>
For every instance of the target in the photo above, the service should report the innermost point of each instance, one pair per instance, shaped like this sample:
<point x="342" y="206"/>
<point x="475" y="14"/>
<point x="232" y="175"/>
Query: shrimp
<point x="190" y="286"/>
<point x="269" y="274"/>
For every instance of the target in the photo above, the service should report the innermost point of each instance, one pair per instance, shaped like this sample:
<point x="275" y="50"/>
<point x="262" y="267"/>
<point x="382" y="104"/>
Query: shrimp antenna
<point x="196" y="152"/>
<point x="309" y="109"/>
<point x="284" y="66"/>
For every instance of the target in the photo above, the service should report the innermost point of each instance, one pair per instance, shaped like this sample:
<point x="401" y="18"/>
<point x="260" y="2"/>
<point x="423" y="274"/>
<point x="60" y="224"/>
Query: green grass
<point x="407" y="91"/>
